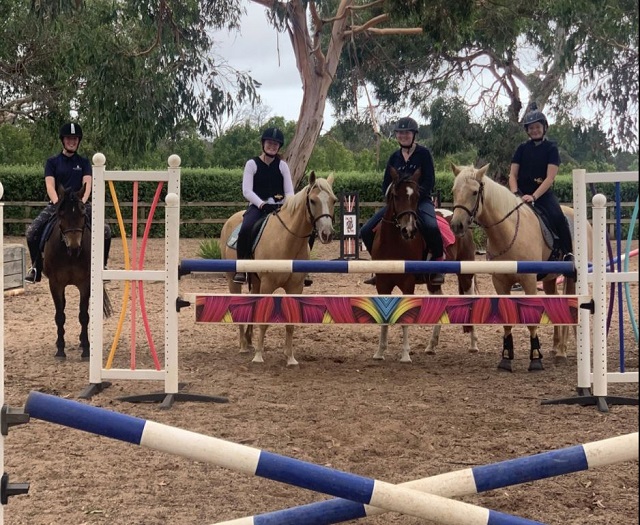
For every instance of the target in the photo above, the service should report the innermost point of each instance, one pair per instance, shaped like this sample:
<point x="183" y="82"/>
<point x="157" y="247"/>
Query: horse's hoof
<point x="535" y="365"/>
<point x="378" y="357"/>
<point x="473" y="350"/>
<point x="560" y="360"/>
<point x="406" y="360"/>
<point x="244" y="351"/>
<point x="61" y="355"/>
<point x="257" y="359"/>
<point x="430" y="351"/>
<point x="505" y="364"/>
<point x="292" y="362"/>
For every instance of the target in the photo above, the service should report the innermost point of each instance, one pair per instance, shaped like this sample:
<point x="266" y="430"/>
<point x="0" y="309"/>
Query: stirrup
<point x="33" y="275"/>
<point x="240" y="278"/>
<point x="370" y="280"/>
<point x="308" y="281"/>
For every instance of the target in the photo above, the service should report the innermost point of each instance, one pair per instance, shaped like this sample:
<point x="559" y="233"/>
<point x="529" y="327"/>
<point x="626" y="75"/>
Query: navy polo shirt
<point x="68" y="171"/>
<point x="533" y="160"/>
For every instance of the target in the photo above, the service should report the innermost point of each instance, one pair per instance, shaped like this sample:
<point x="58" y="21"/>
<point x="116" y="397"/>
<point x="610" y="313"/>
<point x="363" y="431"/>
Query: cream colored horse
<point x="285" y="236"/>
<point x="513" y="234"/>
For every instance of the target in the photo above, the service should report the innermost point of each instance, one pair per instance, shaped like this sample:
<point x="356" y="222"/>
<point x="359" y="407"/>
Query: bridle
<point x="313" y="219"/>
<point x="65" y="231"/>
<point x="474" y="211"/>
<point x="397" y="215"/>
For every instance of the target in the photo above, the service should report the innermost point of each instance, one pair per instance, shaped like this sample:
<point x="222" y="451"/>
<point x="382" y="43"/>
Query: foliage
<point x="209" y="249"/>
<point x="504" y="50"/>
<point x="134" y="75"/>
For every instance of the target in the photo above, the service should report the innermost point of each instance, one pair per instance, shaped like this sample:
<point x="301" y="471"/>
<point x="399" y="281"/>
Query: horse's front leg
<point x="245" y="333"/>
<point x="560" y="333"/>
<point x="60" y="302"/>
<point x="257" y="357"/>
<point x="535" y="355"/>
<point x="507" y="350"/>
<point x="405" y="357"/>
<point x="288" y="346"/>
<point x="434" y="341"/>
<point x="83" y="317"/>
<point x="382" y="343"/>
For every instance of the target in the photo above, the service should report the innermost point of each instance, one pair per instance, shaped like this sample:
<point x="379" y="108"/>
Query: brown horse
<point x="513" y="234"/>
<point x="398" y="239"/>
<point x="285" y="236"/>
<point x="67" y="261"/>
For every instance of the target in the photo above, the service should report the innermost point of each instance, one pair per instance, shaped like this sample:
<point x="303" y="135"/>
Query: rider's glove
<point x="269" y="208"/>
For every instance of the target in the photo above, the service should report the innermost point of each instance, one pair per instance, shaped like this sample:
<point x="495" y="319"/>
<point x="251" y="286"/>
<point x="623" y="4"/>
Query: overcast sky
<point x="267" y="55"/>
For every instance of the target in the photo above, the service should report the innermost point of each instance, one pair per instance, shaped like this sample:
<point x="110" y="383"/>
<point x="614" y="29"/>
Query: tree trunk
<point x="316" y="72"/>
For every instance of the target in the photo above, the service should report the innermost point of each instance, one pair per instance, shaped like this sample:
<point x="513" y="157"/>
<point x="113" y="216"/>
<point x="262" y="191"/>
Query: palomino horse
<point x="67" y="261"/>
<point x="513" y="234"/>
<point x="285" y="236"/>
<point x="398" y="238"/>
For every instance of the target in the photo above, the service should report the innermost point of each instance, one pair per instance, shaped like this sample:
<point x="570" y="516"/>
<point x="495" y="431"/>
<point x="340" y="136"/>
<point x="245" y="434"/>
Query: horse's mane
<point x="299" y="198"/>
<point x="496" y="196"/>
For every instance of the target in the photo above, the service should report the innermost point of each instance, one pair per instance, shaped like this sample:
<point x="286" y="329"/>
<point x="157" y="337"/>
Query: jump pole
<point x="98" y="374"/>
<point x="252" y="461"/>
<point x="466" y="482"/>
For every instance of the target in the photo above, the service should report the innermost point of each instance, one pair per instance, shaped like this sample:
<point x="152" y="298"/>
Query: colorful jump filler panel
<point x="417" y="310"/>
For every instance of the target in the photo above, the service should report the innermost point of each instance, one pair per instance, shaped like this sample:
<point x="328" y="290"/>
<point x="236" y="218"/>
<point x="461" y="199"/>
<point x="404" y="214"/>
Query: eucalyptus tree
<point x="133" y="72"/>
<point x="504" y="53"/>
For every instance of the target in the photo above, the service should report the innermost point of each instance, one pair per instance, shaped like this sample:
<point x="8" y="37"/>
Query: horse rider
<point x="534" y="167"/>
<point x="69" y="170"/>
<point x="406" y="160"/>
<point x="266" y="182"/>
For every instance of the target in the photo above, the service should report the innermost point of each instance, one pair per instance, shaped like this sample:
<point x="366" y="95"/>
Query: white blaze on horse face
<point x="324" y="225"/>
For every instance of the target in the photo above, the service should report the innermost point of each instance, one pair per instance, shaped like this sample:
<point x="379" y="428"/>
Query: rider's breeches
<point x="551" y="207"/>
<point x="428" y="225"/>
<point x="366" y="232"/>
<point x="34" y="234"/>
<point x="249" y="218"/>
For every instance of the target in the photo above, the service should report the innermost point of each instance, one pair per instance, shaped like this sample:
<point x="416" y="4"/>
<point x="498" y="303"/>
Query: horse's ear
<point x="60" y="191"/>
<point x="394" y="174"/>
<point x="312" y="178"/>
<point x="456" y="170"/>
<point x="416" y="175"/>
<point x="80" y="193"/>
<point x="482" y="171"/>
<point x="331" y="178"/>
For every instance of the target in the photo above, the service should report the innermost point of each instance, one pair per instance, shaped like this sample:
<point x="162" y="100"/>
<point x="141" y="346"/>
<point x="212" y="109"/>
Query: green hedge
<point x="24" y="183"/>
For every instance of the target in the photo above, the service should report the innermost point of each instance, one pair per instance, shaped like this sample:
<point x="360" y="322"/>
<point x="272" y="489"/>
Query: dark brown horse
<point x="398" y="238"/>
<point x="67" y="261"/>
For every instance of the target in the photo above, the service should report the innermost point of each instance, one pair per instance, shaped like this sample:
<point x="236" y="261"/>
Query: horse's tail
<point x="106" y="303"/>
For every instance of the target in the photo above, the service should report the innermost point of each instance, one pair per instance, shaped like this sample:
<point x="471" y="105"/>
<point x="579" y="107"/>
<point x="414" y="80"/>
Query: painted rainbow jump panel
<point x="386" y="309"/>
<point x="288" y="266"/>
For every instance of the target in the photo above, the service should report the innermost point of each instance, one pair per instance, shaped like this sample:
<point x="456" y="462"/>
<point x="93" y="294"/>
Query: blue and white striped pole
<point x="289" y="266"/>
<point x="253" y="461"/>
<point x="465" y="482"/>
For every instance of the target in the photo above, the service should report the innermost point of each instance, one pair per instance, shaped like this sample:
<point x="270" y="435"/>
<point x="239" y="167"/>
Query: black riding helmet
<point x="272" y="134"/>
<point x="71" y="129"/>
<point x="535" y="115"/>
<point x="406" y="124"/>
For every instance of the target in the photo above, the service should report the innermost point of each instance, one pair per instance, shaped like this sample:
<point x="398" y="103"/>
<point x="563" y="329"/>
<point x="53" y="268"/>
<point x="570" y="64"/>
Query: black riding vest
<point x="268" y="180"/>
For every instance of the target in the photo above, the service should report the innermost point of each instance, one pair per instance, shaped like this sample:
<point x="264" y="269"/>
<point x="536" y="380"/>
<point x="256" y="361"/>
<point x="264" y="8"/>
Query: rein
<point x="472" y="218"/>
<point x="312" y="218"/>
<point x="397" y="216"/>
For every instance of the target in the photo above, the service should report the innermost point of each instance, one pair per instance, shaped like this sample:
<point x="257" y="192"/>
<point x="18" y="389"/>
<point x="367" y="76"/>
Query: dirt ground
<point x="385" y="420"/>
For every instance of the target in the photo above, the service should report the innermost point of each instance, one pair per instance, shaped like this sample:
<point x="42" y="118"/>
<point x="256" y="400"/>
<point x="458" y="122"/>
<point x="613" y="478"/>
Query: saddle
<point x="550" y="237"/>
<point x="256" y="234"/>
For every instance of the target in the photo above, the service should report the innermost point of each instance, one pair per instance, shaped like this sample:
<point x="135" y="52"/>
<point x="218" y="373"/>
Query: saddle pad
<point x="232" y="241"/>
